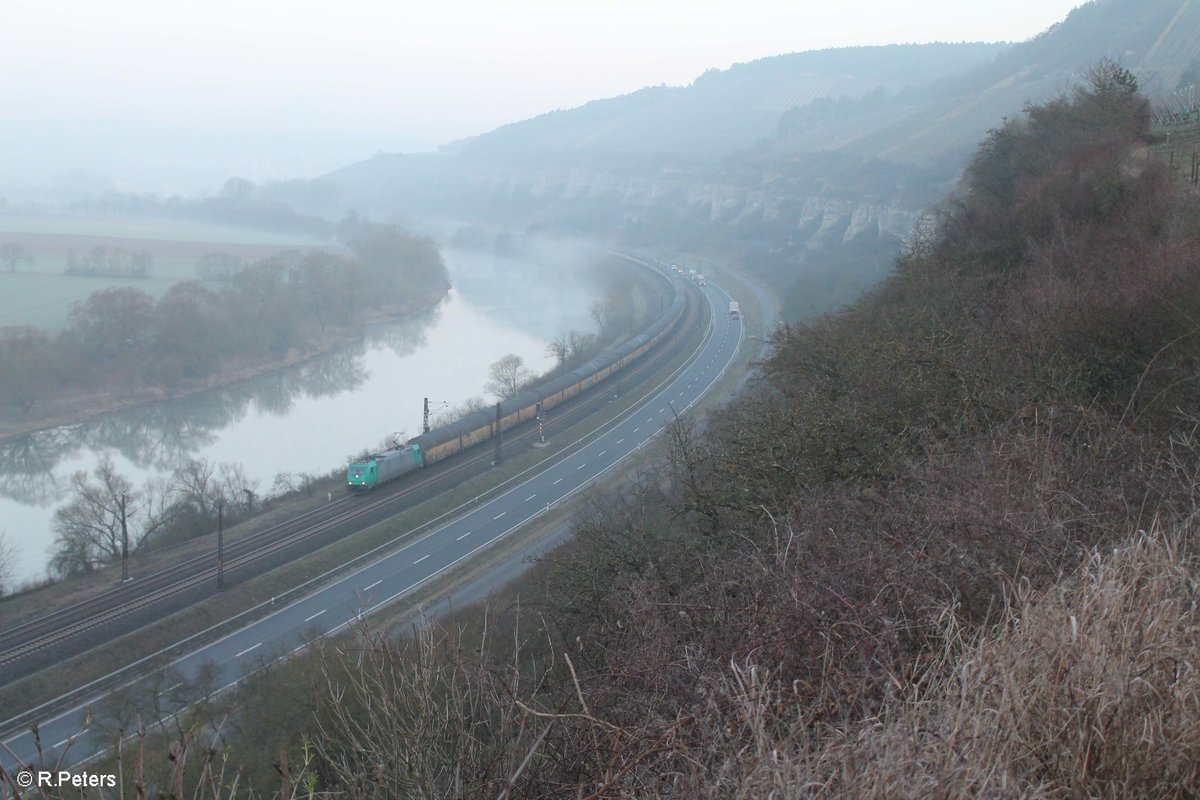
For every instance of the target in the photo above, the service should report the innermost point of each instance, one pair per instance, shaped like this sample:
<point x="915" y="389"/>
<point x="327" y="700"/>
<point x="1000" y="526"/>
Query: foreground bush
<point x="1088" y="689"/>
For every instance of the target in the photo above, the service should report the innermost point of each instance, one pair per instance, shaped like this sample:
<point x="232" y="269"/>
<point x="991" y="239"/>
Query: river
<point x="314" y="417"/>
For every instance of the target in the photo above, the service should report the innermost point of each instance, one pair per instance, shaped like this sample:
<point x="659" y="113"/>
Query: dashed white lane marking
<point x="557" y="482"/>
<point x="372" y="586"/>
<point x="635" y="430"/>
<point x="465" y="535"/>
<point x="527" y="499"/>
<point x="498" y="516"/>
<point x="581" y="466"/>
<point x="602" y="452"/>
<point x="314" y="616"/>
<point x="620" y="440"/>
<point x="248" y="649"/>
<point x="422" y="558"/>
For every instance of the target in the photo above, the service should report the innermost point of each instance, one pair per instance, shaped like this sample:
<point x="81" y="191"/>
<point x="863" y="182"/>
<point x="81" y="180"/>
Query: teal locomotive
<point x="380" y="467"/>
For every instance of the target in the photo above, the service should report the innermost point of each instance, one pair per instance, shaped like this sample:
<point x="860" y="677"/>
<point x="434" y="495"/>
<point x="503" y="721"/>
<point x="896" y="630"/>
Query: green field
<point x="40" y="294"/>
<point x="149" y="229"/>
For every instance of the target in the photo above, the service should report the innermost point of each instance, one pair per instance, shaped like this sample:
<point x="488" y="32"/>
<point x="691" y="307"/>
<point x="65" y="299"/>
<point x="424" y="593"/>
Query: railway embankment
<point x="244" y="593"/>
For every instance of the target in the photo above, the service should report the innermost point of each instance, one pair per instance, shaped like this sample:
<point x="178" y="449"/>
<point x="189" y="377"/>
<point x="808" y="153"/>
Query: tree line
<point x="13" y="255"/>
<point x="123" y="338"/>
<point x="106" y="513"/>
<point x="241" y="202"/>
<point x="110" y="262"/>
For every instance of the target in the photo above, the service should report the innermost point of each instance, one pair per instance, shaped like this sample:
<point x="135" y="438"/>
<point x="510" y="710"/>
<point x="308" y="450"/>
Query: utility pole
<point x="426" y="425"/>
<point x="541" y="424"/>
<point x="498" y="455"/>
<point x="124" y="544"/>
<point x="220" y="545"/>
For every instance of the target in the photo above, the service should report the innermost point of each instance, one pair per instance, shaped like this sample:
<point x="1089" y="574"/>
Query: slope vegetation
<point x="826" y="590"/>
<point x="1156" y="39"/>
<point x="728" y="110"/>
<point x="945" y="547"/>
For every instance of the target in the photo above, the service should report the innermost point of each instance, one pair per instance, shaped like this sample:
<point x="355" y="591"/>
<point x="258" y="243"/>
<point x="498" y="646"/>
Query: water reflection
<point x="403" y="338"/>
<point x="165" y="435"/>
<point x="26" y="464"/>
<point x="310" y="418"/>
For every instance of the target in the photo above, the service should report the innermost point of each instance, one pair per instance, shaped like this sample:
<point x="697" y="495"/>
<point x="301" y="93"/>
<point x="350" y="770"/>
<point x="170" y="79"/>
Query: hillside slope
<point x="728" y="110"/>
<point x="1156" y="39"/>
<point x="922" y="556"/>
<point x="819" y="207"/>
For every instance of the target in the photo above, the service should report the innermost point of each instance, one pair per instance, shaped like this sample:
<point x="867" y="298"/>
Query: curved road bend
<point x="339" y="604"/>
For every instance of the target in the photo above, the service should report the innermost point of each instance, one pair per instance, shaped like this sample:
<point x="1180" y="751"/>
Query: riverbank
<point x="289" y="425"/>
<point x="84" y="407"/>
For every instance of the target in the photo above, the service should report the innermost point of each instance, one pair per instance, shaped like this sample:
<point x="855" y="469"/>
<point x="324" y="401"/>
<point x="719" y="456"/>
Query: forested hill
<point x="802" y="168"/>
<point x="724" y="111"/>
<point x="1158" y="40"/>
<point x="908" y="103"/>
<point x="945" y="546"/>
<point x="901" y="103"/>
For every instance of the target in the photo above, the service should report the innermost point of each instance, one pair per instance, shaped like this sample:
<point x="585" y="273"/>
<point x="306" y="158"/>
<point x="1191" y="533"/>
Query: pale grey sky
<point x="435" y="70"/>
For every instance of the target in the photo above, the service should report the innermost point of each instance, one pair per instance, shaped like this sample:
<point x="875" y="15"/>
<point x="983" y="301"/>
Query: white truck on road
<point x="735" y="311"/>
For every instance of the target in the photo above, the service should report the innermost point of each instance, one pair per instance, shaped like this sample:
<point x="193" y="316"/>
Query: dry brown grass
<point x="1088" y="689"/>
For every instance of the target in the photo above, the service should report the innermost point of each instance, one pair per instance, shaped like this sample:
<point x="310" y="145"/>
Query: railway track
<point x="62" y="633"/>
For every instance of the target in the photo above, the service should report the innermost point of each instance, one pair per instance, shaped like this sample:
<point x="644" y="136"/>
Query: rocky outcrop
<point x="671" y="203"/>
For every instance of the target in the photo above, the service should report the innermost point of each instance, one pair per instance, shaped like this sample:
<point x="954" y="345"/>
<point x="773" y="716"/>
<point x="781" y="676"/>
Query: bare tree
<point x="13" y="254"/>
<point x="579" y="343"/>
<point x="506" y="376"/>
<point x="88" y="528"/>
<point x="198" y="485"/>
<point x="202" y="485"/>
<point x="600" y="313"/>
<point x="573" y="344"/>
<point x="300" y="482"/>
<point x="559" y="349"/>
<point x="237" y="489"/>
<point x="450" y="414"/>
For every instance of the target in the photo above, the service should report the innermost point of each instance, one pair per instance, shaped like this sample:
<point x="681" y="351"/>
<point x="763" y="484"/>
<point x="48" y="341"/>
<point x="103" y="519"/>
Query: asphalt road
<point x="341" y="603"/>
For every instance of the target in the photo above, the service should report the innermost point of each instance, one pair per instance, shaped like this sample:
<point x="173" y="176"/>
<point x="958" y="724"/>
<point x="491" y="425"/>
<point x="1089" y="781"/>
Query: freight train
<point x="429" y="448"/>
<point x="381" y="467"/>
